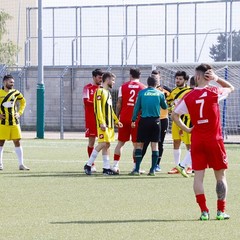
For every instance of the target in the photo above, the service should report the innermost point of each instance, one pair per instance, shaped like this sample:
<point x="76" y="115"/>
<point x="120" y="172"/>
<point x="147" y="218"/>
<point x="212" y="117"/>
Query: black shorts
<point x="149" y="129"/>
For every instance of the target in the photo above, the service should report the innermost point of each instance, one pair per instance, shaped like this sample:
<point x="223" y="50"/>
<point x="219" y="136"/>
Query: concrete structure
<point x="17" y="25"/>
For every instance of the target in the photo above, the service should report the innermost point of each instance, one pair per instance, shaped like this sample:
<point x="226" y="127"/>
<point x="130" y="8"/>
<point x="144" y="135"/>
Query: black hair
<point x="192" y="81"/>
<point x="108" y="75"/>
<point x="152" y="81"/>
<point x="155" y="72"/>
<point x="135" y="73"/>
<point x="203" y="67"/>
<point x="7" y="77"/>
<point x="183" y="74"/>
<point x="97" y="72"/>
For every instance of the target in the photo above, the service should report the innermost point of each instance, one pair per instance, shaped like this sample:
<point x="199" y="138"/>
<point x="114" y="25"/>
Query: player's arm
<point x="98" y="107"/>
<point x="119" y="106"/>
<point x="22" y="105"/>
<point x="210" y="75"/>
<point x="180" y="109"/>
<point x="163" y="102"/>
<point x="136" y="109"/>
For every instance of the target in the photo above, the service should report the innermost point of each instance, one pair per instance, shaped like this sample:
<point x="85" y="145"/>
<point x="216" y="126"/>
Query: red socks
<point x="201" y="200"/>
<point x="221" y="204"/>
<point x="116" y="157"/>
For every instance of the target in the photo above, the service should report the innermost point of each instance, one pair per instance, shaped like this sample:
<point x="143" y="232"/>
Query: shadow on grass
<point x="126" y="221"/>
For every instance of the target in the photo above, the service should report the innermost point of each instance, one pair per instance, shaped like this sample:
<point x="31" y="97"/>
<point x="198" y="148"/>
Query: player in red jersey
<point x="127" y="96"/>
<point x="90" y="120"/>
<point x="207" y="147"/>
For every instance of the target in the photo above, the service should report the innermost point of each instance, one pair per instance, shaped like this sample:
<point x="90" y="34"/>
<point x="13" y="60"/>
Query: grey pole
<point x="40" y="83"/>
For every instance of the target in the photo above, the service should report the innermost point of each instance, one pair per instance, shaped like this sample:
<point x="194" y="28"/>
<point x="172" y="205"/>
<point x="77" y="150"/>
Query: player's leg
<point x="117" y="155"/>
<point x="1" y="153"/>
<point x="164" y="126"/>
<point x="154" y="147"/>
<point x="176" y="147"/>
<point x="15" y="137"/>
<point x="199" y="194"/>
<point x="221" y="189"/>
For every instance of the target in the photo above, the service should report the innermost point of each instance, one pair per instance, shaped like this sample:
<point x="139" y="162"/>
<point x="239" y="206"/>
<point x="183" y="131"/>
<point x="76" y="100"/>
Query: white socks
<point x="92" y="157"/>
<point x="106" y="162"/>
<point x="1" y="155"/>
<point x="177" y="155"/>
<point x="19" y="152"/>
<point x="187" y="161"/>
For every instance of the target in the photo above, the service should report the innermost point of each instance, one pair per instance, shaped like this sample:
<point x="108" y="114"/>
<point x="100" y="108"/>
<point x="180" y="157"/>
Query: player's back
<point x="130" y="91"/>
<point x="202" y="104"/>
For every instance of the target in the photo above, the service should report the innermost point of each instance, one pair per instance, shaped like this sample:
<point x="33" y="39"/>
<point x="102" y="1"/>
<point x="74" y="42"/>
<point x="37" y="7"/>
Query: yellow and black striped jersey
<point x="8" y="106"/>
<point x="103" y="108"/>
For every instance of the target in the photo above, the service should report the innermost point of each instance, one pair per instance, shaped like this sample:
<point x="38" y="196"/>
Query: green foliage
<point x="8" y="49"/>
<point x="218" y="51"/>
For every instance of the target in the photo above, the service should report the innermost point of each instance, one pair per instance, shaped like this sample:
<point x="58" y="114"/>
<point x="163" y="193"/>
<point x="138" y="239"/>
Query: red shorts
<point x="91" y="128"/>
<point x="126" y="131"/>
<point x="208" y="154"/>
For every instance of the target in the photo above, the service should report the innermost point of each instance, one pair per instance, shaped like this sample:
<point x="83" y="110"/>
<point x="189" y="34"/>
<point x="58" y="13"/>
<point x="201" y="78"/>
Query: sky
<point x="210" y="28"/>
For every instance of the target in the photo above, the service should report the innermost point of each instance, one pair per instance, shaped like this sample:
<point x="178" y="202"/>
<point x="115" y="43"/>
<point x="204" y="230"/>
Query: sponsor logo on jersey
<point x="151" y="94"/>
<point x="203" y="95"/>
<point x="133" y="86"/>
<point x="101" y="136"/>
<point x="99" y="97"/>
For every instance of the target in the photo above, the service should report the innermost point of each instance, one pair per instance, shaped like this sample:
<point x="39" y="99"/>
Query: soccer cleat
<point x="158" y="168"/>
<point x="151" y="174"/>
<point x="173" y="171"/>
<point x="23" y="167"/>
<point x="134" y="173"/>
<point x="108" y="172"/>
<point x="204" y="216"/>
<point x="87" y="170"/>
<point x="222" y="216"/>
<point x="93" y="169"/>
<point x="140" y="171"/>
<point x="182" y="171"/>
<point x="1" y="167"/>
<point x="115" y="170"/>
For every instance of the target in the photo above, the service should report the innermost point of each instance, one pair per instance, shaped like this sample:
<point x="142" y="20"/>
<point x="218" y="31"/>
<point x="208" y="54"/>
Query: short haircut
<point x="108" y="75"/>
<point x="135" y="73"/>
<point x="203" y="67"/>
<point x="152" y="81"/>
<point x="7" y="77"/>
<point x="97" y="72"/>
<point x="183" y="74"/>
<point x="155" y="72"/>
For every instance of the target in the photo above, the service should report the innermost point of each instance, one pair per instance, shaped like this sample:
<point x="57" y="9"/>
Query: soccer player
<point x="178" y="136"/>
<point x="9" y="118"/>
<point x="163" y="122"/>
<point x="127" y="95"/>
<point x="105" y="119"/>
<point x="148" y="104"/>
<point x="207" y="147"/>
<point x="90" y="121"/>
<point x="187" y="161"/>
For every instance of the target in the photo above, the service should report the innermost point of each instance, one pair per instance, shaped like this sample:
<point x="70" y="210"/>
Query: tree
<point x="218" y="51"/>
<point x="8" y="49"/>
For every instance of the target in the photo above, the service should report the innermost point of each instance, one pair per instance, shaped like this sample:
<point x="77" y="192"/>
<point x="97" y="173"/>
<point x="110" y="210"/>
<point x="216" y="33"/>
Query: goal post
<point x="230" y="108"/>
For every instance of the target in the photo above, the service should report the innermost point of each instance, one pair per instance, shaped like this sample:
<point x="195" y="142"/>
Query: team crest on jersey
<point x="101" y="136"/>
<point x="99" y="97"/>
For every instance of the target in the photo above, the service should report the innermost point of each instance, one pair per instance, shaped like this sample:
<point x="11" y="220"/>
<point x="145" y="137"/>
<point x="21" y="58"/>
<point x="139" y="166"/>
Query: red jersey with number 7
<point x="129" y="91"/>
<point x="203" y="106"/>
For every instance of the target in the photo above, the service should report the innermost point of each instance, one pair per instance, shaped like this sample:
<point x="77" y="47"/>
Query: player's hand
<point x="17" y="115"/>
<point x="189" y="130"/>
<point x="133" y="124"/>
<point x="181" y="132"/>
<point x="2" y="116"/>
<point x="103" y="127"/>
<point x="210" y="75"/>
<point x="119" y="125"/>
